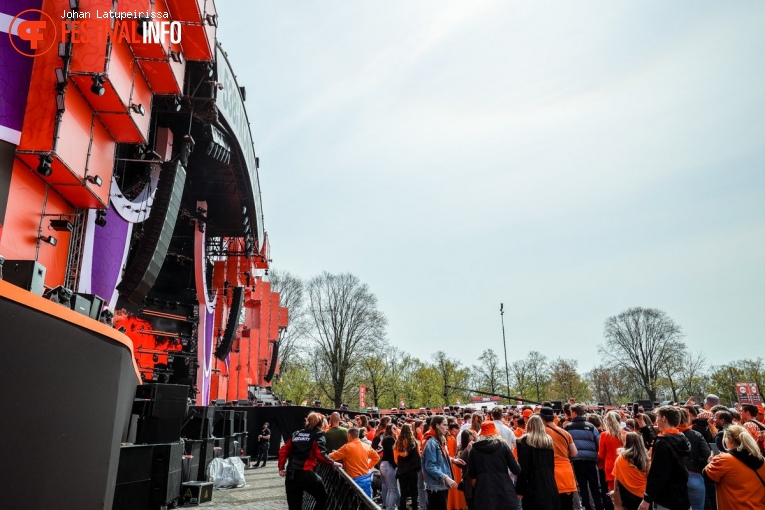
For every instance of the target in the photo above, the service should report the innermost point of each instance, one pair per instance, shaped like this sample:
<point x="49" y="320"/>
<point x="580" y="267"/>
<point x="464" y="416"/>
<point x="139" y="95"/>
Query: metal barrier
<point x="342" y="491"/>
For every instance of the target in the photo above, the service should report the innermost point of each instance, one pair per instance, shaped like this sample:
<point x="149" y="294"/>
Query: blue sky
<point x="569" y="160"/>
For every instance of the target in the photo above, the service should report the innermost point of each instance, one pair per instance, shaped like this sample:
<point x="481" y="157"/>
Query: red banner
<point x="362" y="397"/>
<point x="748" y="393"/>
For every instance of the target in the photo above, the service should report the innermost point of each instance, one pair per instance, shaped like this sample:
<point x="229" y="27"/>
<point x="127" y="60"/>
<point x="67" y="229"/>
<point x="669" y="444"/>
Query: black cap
<point x="547" y="413"/>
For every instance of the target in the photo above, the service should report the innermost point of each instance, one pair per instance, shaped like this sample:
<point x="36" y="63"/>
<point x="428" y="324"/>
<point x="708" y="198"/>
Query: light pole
<point x="504" y="344"/>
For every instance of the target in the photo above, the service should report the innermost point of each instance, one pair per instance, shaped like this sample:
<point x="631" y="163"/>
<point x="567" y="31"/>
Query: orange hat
<point x="527" y="413"/>
<point x="488" y="429"/>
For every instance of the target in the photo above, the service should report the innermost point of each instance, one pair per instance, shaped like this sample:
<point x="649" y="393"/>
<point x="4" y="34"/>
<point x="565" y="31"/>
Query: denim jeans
<point x="696" y="491"/>
<point x="388" y="472"/>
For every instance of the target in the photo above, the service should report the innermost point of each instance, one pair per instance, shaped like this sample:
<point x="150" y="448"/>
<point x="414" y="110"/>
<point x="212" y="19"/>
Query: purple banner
<point x="108" y="251"/>
<point x="15" y="70"/>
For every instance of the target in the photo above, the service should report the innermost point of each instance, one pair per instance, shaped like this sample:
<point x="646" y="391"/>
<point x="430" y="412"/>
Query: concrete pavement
<point x="263" y="490"/>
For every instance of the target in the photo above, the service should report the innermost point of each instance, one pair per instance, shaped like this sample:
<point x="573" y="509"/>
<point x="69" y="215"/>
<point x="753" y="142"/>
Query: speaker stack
<point x="240" y="431"/>
<point x="133" y="478"/>
<point x="166" y="474"/>
<point x="161" y="409"/>
<point x="197" y="432"/>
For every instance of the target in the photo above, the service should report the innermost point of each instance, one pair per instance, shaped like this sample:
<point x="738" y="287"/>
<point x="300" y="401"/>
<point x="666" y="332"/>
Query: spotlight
<point x="176" y="56"/>
<point x="100" y="218"/>
<point x="45" y="168"/>
<point x="63" y="50"/>
<point x="140" y="151"/>
<point x="216" y="84"/>
<point x="49" y="239"/>
<point x="244" y="210"/>
<point x="61" y="225"/>
<point x="107" y="317"/>
<point x="60" y="105"/>
<point x="60" y="79"/>
<point x="138" y="108"/>
<point x="177" y="103"/>
<point x="210" y="70"/>
<point x="94" y="179"/>
<point x="60" y="295"/>
<point x="98" y="85"/>
<point x="186" y="149"/>
<point x="243" y="92"/>
<point x="212" y="19"/>
<point x="141" y="23"/>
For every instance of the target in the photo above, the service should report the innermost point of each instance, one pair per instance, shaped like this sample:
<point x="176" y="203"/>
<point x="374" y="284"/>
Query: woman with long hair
<point x="739" y="473"/>
<point x="611" y="440"/>
<point x="467" y="437"/>
<point x="536" y="483"/>
<point x="388" y="467"/>
<point x="631" y="472"/>
<point x="408" y="465"/>
<point x="297" y="458"/>
<point x="436" y="465"/>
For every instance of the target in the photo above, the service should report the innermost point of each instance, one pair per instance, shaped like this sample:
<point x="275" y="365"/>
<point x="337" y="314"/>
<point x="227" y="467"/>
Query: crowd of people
<point x="673" y="457"/>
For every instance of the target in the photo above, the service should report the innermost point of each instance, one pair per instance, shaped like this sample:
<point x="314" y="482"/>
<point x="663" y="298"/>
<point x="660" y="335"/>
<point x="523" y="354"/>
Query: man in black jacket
<point x="667" y="487"/>
<point x="586" y="438"/>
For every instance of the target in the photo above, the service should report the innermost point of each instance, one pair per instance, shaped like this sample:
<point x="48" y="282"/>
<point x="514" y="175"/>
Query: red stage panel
<point x="165" y="76"/>
<point x="130" y="126"/>
<point x="187" y="10"/>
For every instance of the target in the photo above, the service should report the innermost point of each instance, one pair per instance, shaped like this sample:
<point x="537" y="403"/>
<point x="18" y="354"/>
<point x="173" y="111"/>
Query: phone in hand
<point x="635" y="409"/>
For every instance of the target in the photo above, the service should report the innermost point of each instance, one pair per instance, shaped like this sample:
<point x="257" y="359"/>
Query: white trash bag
<point x="226" y="473"/>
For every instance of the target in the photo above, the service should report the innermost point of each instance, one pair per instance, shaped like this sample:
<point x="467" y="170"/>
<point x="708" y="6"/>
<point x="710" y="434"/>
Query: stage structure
<point x="129" y="188"/>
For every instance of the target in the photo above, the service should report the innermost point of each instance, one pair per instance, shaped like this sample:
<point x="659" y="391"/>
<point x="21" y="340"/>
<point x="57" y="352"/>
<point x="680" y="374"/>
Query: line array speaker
<point x="233" y="320"/>
<point x="149" y="255"/>
<point x="274" y="360"/>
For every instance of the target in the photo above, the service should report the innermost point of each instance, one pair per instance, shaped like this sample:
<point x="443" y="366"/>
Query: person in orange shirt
<point x="739" y="474"/>
<point x="631" y="472"/>
<point x="358" y="459"/>
<point x="611" y="439"/>
<point x="565" y="449"/>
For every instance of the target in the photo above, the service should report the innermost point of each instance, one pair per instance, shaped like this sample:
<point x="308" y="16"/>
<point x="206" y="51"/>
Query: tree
<point x="295" y="383"/>
<point x="723" y="378"/>
<point x="292" y="296"/>
<point x="538" y="369"/>
<point x="642" y="341"/>
<point x="565" y="381"/>
<point x="488" y="374"/>
<point x="450" y="373"/>
<point x="374" y="370"/>
<point x="520" y="378"/>
<point x="345" y="319"/>
<point x="612" y="386"/>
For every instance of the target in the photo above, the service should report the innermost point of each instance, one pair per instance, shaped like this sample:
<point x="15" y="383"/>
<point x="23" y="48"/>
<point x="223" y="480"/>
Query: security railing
<point x="342" y="491"/>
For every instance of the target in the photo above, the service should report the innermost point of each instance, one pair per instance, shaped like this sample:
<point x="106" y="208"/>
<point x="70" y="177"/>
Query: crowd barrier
<point x="342" y="492"/>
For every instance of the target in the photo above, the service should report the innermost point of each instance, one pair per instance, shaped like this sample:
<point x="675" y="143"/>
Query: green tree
<point x="566" y="382"/>
<point x="488" y="375"/>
